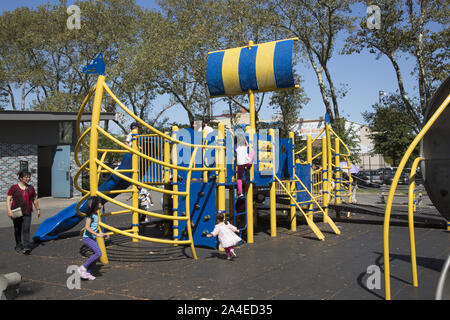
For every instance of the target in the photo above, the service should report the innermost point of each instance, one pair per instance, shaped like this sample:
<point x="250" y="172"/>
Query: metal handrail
<point x="390" y="199"/>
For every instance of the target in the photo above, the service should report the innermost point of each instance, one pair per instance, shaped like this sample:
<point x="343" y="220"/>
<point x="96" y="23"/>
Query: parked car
<point x="369" y="178"/>
<point x="386" y="175"/>
<point x="404" y="177"/>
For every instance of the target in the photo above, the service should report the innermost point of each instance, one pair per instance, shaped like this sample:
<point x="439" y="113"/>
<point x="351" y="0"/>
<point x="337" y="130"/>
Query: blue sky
<point x="362" y="73"/>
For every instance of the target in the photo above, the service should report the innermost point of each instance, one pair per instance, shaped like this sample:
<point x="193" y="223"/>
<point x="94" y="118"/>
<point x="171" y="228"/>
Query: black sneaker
<point x="26" y="251"/>
<point x="18" y="247"/>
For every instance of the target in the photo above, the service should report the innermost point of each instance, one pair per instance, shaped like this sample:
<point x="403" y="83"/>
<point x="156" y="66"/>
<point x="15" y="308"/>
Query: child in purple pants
<point x="90" y="235"/>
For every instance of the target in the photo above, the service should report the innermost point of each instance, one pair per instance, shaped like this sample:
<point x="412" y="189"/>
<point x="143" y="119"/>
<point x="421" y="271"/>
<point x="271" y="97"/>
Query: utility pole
<point x="381" y="93"/>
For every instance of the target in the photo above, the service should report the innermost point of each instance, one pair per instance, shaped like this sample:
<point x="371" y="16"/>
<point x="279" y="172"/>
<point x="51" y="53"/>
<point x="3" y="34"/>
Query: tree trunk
<point x="403" y="92"/>
<point x="23" y="97"/>
<point x="323" y="90"/>
<point x="333" y="96"/>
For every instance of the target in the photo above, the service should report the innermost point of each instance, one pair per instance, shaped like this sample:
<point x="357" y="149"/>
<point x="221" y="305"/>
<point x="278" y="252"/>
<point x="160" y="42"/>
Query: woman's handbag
<point x="17" y="212"/>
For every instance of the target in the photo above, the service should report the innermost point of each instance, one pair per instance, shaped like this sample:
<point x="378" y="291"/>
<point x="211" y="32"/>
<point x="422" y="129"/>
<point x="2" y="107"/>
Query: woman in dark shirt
<point x="24" y="196"/>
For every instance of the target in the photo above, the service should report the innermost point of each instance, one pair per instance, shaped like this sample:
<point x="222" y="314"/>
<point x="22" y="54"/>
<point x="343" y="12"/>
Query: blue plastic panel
<point x="303" y="172"/>
<point x="203" y="212"/>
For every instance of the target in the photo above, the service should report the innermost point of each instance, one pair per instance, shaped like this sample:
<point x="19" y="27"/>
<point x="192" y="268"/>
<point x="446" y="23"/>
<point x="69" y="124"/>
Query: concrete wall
<point x="10" y="157"/>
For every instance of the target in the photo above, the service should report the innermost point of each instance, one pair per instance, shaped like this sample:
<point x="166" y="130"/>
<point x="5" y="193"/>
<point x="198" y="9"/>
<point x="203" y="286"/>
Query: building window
<point x="65" y="132"/>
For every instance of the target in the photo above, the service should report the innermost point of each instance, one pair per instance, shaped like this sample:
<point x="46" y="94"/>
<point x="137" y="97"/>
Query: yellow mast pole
<point x="93" y="153"/>
<point x="250" y="131"/>
<point x="221" y="167"/>
<point x="135" y="176"/>
<point x="175" y="183"/>
<point x="273" y="205"/>
<point x="292" y="216"/>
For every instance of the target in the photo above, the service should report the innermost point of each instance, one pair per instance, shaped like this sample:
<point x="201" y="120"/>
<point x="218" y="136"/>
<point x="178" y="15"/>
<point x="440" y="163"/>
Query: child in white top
<point x="129" y="138"/>
<point x="225" y="231"/>
<point x="145" y="202"/>
<point x="243" y="160"/>
<point x="206" y="127"/>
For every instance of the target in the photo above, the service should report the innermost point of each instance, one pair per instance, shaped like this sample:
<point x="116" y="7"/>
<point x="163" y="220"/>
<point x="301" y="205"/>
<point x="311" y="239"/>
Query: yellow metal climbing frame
<point x="143" y="158"/>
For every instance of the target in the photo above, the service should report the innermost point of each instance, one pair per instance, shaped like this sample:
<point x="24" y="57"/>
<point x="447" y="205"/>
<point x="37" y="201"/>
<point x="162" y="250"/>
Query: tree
<point x="17" y="64"/>
<point x="288" y="103"/>
<point x="244" y="21"/>
<point x="40" y="54"/>
<point x="416" y="29"/>
<point x="392" y="128"/>
<point x="317" y="24"/>
<point x="194" y="29"/>
<point x="140" y="59"/>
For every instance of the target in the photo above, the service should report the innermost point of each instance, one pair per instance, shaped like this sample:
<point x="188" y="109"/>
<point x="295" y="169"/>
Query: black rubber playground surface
<point x="291" y="266"/>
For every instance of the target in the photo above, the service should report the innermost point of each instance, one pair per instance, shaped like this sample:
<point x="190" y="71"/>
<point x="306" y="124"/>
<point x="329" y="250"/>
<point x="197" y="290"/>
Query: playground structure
<point x="435" y="164"/>
<point x="194" y="172"/>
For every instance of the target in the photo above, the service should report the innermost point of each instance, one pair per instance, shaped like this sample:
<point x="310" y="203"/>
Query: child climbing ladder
<point x="244" y="160"/>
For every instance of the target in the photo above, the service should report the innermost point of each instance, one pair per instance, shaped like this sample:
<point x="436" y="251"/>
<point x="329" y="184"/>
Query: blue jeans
<point x="93" y="245"/>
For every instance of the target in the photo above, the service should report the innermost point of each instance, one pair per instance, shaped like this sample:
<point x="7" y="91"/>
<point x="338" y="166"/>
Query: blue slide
<point x="67" y="218"/>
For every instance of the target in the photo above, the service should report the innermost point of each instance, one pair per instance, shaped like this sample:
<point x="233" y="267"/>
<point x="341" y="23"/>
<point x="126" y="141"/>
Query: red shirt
<point x="22" y="198"/>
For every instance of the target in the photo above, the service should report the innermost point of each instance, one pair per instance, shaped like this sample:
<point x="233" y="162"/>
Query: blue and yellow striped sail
<point x="262" y="67"/>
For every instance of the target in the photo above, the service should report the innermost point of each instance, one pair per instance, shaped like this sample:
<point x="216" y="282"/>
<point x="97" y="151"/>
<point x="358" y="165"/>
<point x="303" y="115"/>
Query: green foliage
<point x="317" y="25"/>
<point x="392" y="129"/>
<point x="411" y="29"/>
<point x="349" y="134"/>
<point x="288" y="103"/>
<point x="153" y="53"/>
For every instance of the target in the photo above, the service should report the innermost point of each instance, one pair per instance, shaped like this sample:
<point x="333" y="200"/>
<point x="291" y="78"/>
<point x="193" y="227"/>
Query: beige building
<point x="368" y="160"/>
<point x="241" y="118"/>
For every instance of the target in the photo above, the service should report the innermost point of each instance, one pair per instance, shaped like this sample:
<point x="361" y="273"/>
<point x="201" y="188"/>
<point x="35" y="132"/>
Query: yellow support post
<point x="338" y="171"/>
<point x="251" y="99"/>
<point x="338" y="175"/>
<point x="411" y="209"/>
<point x="292" y="216"/>
<point x="329" y="166"/>
<point x="309" y="161"/>
<point x="205" y="173"/>
<point x="249" y="199"/>
<point x="309" y="150"/>
<point x="93" y="153"/>
<point x="221" y="167"/>
<point x="273" y="204"/>
<point x="135" y="177"/>
<point x="166" y="174"/>
<point x="325" y="175"/>
<point x="175" y="183"/>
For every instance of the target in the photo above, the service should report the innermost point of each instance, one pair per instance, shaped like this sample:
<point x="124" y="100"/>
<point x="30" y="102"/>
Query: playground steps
<point x="308" y="217"/>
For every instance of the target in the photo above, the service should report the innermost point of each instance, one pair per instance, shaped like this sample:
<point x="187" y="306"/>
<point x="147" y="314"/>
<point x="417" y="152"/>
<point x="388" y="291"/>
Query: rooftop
<point x="12" y="115"/>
